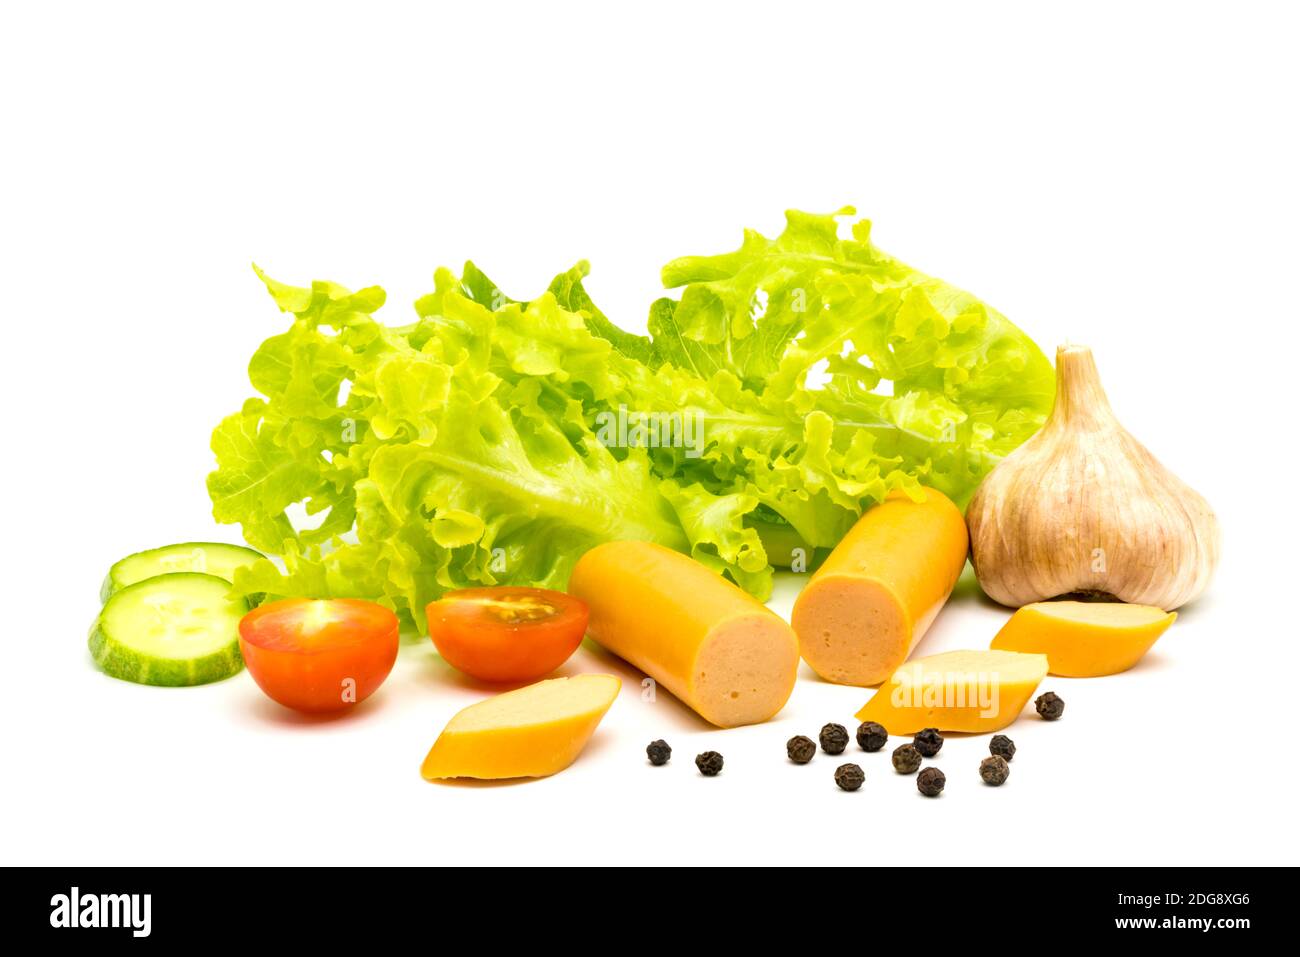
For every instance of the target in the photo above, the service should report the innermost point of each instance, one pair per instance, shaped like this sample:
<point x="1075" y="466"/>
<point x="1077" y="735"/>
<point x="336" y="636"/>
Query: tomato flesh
<point x="505" y="633"/>
<point x="318" y="655"/>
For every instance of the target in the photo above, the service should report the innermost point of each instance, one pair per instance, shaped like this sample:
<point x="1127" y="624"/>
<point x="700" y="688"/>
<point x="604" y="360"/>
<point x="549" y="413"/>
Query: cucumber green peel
<point x="209" y="558"/>
<point x="468" y="449"/>
<point x="180" y="628"/>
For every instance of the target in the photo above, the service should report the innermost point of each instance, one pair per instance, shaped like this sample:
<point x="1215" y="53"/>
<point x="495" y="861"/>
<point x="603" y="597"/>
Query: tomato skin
<point x="473" y="631"/>
<point x="319" y="656"/>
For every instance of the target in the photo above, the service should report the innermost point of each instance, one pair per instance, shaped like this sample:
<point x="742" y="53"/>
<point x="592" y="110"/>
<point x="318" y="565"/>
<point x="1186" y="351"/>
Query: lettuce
<point x="885" y="376"/>
<point x="793" y="383"/>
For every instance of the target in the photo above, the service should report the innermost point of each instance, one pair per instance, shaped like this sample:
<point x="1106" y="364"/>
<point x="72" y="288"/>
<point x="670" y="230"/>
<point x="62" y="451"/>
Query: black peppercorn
<point x="800" y="750"/>
<point x="849" y="777"/>
<point x="994" y="770"/>
<point x="658" y="752"/>
<point x="906" y="759"/>
<point x="928" y="742"/>
<point x="709" y="763"/>
<point x="1050" y="706"/>
<point x="1003" y="747"/>
<point x="930" y="782"/>
<point x="834" y="738"/>
<point x="872" y="736"/>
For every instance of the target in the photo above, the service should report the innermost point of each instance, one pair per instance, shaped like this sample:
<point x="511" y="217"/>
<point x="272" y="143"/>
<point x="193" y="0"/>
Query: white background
<point x="1121" y="175"/>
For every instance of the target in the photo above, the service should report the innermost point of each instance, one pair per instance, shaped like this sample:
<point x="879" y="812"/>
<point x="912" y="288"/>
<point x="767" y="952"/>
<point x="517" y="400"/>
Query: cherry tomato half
<point x="505" y="633"/>
<point x="319" y="654"/>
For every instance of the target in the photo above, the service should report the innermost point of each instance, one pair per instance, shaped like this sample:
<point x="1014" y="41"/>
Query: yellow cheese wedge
<point x="1085" y="639"/>
<point x="956" y="691"/>
<point x="528" y="733"/>
<point x="864" y="610"/>
<point x="715" y="647"/>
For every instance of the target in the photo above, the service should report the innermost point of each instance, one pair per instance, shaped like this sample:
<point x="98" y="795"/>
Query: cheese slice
<point x="1085" y="639"/>
<point x="531" y="732"/>
<point x="972" y="691"/>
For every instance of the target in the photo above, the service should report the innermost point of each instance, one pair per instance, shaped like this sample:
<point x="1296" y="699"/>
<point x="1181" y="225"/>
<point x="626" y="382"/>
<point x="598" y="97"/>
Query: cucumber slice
<point x="206" y="558"/>
<point x="175" y="629"/>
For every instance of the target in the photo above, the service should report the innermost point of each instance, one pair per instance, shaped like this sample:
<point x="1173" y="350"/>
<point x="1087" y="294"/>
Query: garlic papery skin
<point x="1083" y="507"/>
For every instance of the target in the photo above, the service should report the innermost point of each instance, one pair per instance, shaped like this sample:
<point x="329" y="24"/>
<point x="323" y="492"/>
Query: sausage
<point x="720" y="651"/>
<point x="864" y="610"/>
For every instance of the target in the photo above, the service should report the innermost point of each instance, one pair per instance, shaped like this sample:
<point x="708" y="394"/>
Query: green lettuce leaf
<point x="460" y="454"/>
<point x="887" y="376"/>
<point x="795" y="382"/>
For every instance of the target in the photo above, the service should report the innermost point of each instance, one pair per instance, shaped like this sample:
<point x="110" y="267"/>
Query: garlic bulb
<point x="1083" y="507"/>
